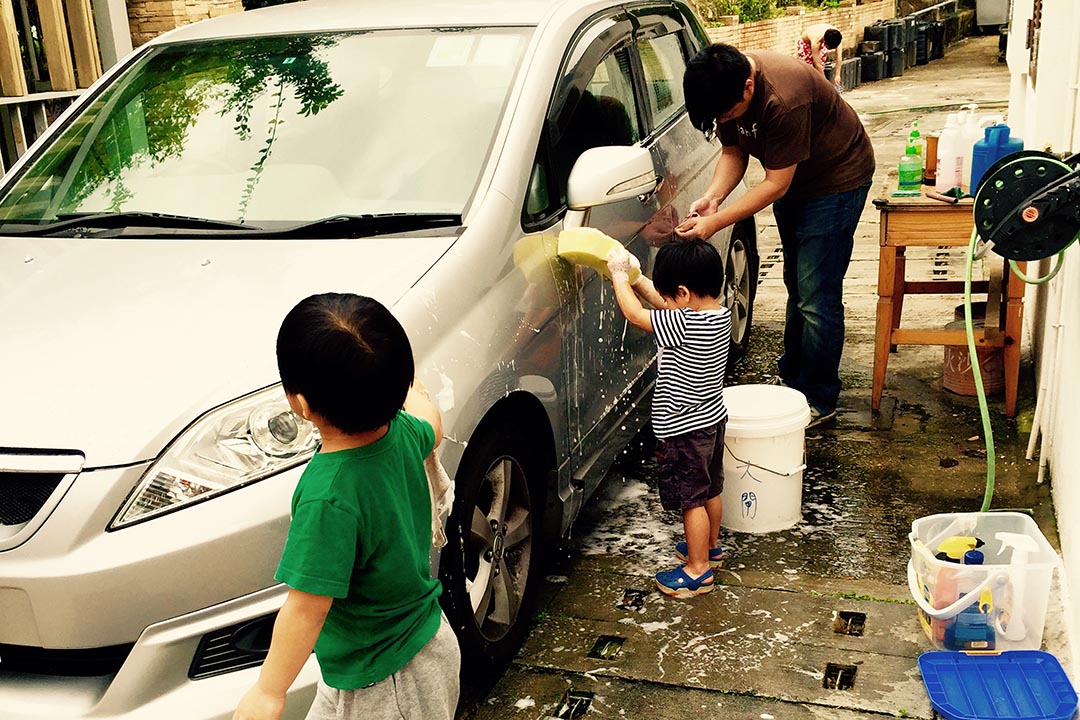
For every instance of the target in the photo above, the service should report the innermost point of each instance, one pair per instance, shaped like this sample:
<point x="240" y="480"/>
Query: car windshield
<point x="279" y="130"/>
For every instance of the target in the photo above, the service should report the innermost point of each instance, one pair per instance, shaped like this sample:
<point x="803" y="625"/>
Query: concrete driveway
<point x="815" y="621"/>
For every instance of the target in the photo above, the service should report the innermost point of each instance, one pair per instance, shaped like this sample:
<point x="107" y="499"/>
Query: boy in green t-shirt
<point x="356" y="559"/>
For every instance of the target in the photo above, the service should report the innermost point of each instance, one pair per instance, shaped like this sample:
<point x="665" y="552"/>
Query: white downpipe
<point x="1058" y="327"/>
<point x="1046" y="367"/>
<point x="1040" y="400"/>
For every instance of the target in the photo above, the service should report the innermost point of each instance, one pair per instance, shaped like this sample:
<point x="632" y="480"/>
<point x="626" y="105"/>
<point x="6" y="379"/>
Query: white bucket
<point x="764" y="457"/>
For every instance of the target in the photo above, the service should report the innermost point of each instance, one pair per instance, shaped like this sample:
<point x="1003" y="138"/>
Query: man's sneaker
<point x="678" y="584"/>
<point x="716" y="554"/>
<point x="820" y="418"/>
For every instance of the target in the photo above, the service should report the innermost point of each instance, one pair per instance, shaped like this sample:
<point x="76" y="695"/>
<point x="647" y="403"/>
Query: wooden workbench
<point x="924" y="222"/>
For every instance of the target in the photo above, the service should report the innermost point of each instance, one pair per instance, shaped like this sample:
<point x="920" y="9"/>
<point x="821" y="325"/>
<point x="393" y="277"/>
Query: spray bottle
<point x="1010" y="621"/>
<point x="914" y="140"/>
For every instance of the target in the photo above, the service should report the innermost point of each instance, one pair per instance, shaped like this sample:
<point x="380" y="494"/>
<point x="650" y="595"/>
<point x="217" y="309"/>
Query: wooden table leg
<point x="883" y="330"/>
<point x="1014" y="321"/>
<point x="898" y="290"/>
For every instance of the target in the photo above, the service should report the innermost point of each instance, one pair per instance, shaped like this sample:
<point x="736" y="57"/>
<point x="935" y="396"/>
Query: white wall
<point x="1047" y="116"/>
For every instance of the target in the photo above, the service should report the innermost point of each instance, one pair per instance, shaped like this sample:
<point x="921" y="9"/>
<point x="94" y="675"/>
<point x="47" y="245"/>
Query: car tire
<point x="740" y="286"/>
<point x="490" y="566"/>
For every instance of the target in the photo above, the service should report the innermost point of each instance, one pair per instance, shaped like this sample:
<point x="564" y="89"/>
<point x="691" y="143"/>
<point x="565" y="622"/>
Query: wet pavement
<point x="815" y="621"/>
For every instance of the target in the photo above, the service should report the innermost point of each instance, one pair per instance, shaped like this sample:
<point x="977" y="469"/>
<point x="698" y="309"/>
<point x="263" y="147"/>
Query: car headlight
<point x="238" y="443"/>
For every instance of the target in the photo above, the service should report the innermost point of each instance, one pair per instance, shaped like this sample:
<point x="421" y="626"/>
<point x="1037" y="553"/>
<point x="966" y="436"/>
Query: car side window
<point x="601" y="111"/>
<point x="663" y="64"/>
<point x="605" y="113"/>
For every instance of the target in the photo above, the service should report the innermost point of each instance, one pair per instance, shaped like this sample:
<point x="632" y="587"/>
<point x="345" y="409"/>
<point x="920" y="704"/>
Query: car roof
<point x="331" y="15"/>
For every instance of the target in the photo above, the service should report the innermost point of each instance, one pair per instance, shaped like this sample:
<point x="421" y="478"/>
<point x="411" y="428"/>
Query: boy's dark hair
<point x="693" y="263"/>
<point x="349" y="357"/>
<point x="713" y="83"/>
<point x="832" y="38"/>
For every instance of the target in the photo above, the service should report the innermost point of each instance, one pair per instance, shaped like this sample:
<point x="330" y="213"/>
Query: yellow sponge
<point x="590" y="247"/>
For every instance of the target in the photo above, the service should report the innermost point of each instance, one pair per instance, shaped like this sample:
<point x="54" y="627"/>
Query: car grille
<point x="90" y="662"/>
<point x="23" y="494"/>
<point x="233" y="648"/>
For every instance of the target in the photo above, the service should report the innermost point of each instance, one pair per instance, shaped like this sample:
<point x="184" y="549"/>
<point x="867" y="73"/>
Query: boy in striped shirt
<point x="693" y="331"/>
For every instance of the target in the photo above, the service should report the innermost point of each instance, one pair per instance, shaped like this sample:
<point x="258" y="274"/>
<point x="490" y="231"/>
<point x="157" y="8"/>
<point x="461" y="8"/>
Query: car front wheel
<point x="489" y="565"/>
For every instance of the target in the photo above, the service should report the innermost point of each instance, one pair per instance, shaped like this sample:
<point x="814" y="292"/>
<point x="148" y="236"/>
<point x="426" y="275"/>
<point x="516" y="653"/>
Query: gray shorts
<point x="425" y="689"/>
<point x="691" y="467"/>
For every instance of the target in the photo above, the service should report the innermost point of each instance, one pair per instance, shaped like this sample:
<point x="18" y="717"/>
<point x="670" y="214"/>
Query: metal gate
<point x="48" y="52"/>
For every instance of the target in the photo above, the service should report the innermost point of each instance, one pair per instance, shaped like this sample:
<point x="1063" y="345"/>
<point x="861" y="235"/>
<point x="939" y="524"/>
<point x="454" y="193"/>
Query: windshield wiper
<point x="353" y="226"/>
<point x="145" y="224"/>
<point x="111" y="220"/>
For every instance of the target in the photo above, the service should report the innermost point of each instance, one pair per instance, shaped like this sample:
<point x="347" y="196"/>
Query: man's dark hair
<point x="713" y="83"/>
<point x="832" y="38"/>
<point x="349" y="357"/>
<point x="693" y="263"/>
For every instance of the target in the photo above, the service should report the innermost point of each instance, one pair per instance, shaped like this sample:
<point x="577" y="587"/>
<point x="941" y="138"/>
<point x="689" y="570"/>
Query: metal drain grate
<point x="846" y="622"/>
<point x="632" y="599"/>
<point x="839" y="677"/>
<point x="606" y="647"/>
<point x="941" y="263"/>
<point x="575" y="704"/>
<point x="769" y="259"/>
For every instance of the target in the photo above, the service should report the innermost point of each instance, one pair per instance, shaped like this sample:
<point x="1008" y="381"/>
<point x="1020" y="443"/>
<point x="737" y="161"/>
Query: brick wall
<point x="150" y="18"/>
<point x="780" y="34"/>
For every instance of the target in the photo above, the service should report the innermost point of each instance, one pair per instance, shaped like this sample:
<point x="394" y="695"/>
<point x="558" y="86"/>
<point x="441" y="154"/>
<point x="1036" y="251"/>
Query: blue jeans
<point x="817" y="235"/>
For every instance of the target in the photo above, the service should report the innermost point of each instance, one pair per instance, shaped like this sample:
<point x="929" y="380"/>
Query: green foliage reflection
<point x="147" y="116"/>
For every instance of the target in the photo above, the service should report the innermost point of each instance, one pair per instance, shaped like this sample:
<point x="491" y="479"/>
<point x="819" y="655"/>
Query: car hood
<point x="111" y="347"/>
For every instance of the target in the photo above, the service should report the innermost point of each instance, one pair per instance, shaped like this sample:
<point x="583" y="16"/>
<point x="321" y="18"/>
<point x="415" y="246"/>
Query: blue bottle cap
<point x="973" y="557"/>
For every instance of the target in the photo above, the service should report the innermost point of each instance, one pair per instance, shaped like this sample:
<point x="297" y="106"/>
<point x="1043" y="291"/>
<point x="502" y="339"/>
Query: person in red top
<point x="818" y="164"/>
<point x="814" y="44"/>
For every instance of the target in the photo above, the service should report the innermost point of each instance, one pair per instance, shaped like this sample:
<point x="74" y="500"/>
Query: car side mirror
<point x="609" y="174"/>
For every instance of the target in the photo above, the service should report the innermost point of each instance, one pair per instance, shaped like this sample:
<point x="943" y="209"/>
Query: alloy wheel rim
<point x="498" y="548"/>
<point x="737" y="289"/>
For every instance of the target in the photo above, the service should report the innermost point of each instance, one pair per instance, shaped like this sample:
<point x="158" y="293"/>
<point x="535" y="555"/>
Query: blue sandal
<point x="716" y="554"/>
<point x="678" y="584"/>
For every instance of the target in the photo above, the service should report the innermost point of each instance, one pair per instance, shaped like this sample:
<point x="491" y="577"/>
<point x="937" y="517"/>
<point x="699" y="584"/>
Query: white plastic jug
<point x="950" y="156"/>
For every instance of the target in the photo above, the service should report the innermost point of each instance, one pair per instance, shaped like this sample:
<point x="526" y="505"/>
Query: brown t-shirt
<point x="796" y="116"/>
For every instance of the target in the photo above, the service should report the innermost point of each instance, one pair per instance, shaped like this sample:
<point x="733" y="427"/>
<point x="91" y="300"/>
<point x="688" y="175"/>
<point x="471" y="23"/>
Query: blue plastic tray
<point x="1017" y="685"/>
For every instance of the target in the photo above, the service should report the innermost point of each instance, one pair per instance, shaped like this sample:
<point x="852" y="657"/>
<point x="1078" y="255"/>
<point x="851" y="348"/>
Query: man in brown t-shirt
<point x="818" y="164"/>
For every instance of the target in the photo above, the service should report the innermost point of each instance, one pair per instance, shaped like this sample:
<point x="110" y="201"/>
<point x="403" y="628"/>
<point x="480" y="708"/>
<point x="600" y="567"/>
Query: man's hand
<point x="619" y="262"/>
<point x="702" y="227"/>
<point x="259" y="705"/>
<point x="703" y="206"/>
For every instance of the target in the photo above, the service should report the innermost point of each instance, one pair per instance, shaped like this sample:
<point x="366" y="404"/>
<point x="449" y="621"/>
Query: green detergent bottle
<point x="911" y="164"/>
<point x="914" y="140"/>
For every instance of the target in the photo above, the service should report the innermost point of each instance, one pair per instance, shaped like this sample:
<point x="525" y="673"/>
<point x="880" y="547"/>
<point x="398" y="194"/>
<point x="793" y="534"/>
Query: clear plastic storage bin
<point x="997" y="605"/>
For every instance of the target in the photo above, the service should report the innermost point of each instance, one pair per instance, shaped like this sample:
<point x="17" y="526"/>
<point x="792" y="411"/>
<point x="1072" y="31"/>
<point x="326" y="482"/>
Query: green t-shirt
<point x="361" y="534"/>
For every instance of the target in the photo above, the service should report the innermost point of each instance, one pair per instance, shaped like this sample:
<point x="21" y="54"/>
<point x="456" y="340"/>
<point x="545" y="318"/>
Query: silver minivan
<point x="424" y="152"/>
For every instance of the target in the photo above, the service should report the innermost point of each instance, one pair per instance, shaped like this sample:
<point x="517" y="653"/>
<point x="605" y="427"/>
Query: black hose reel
<point x="1027" y="205"/>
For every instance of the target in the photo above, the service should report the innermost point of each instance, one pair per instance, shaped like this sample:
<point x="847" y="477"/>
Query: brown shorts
<point x="691" y="467"/>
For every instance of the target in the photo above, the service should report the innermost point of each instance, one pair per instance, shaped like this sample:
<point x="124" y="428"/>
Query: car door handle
<point x="646" y="197"/>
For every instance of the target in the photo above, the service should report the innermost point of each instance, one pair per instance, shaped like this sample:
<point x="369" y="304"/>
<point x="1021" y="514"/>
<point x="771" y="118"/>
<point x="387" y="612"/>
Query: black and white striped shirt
<point x="689" y="392"/>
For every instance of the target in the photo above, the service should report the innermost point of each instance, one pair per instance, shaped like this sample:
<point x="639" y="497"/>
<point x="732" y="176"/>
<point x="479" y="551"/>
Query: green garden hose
<point x="976" y="371"/>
